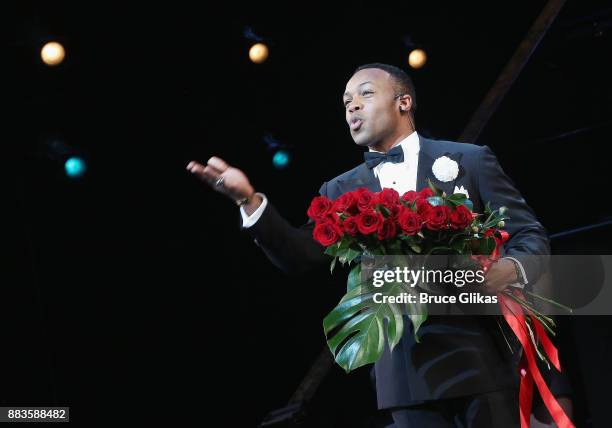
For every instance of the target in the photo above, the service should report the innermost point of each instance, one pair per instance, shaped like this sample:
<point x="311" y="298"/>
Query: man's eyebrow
<point x="361" y="84"/>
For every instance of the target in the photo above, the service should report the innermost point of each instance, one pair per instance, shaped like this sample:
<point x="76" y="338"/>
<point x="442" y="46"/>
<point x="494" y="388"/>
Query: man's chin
<point x="361" y="140"/>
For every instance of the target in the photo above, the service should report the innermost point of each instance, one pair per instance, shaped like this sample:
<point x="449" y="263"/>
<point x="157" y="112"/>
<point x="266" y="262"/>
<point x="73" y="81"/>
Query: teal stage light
<point x="281" y="159"/>
<point x="75" y="167"/>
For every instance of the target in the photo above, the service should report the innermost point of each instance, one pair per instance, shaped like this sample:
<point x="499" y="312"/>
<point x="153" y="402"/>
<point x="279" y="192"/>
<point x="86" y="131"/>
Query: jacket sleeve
<point x="292" y="249"/>
<point x="528" y="242"/>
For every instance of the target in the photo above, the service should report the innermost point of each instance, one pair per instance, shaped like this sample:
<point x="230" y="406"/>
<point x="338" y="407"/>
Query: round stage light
<point x="258" y="53"/>
<point x="53" y="53"/>
<point x="281" y="159"/>
<point x="75" y="167"/>
<point x="417" y="58"/>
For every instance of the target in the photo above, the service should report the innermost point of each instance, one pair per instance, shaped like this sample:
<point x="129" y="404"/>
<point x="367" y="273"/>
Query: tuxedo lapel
<point x="363" y="177"/>
<point x="427" y="156"/>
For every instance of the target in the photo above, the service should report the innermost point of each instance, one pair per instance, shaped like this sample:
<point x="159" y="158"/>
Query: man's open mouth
<point x="356" y="124"/>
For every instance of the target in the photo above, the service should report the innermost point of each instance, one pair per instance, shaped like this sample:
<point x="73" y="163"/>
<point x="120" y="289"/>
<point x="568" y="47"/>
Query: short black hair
<point x="403" y="82"/>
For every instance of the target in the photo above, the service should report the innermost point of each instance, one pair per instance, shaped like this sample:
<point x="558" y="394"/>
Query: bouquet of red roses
<point x="422" y="222"/>
<point x="363" y="223"/>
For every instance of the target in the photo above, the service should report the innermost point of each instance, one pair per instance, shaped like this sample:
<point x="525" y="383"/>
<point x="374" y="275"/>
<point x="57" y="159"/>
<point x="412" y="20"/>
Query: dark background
<point x="132" y="291"/>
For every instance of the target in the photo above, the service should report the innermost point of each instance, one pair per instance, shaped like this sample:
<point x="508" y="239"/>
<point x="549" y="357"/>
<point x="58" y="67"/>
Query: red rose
<point x="368" y="221"/>
<point x="319" y="207"/>
<point x="425" y="193"/>
<point x="388" y="197"/>
<point x="436" y="218"/>
<point x="394" y="211"/>
<point x="460" y="218"/>
<point x="346" y="203"/>
<point x="409" y="221"/>
<point x="350" y="226"/>
<point x="387" y="229"/>
<point x="331" y="217"/>
<point x="422" y="206"/>
<point x="410" y="196"/>
<point x="365" y="199"/>
<point x="326" y="233"/>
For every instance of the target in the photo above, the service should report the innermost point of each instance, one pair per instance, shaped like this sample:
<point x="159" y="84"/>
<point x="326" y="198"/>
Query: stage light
<point x="258" y="53"/>
<point x="75" y="167"/>
<point x="417" y="58"/>
<point x="52" y="53"/>
<point x="281" y="159"/>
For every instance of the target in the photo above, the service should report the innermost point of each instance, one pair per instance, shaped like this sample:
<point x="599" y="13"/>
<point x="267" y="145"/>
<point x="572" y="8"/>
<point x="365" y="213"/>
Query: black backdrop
<point x="133" y="292"/>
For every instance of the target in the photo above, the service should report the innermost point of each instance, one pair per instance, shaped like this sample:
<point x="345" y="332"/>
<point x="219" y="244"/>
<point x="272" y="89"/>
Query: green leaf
<point x="384" y="210"/>
<point x="354" y="278"/>
<point x="433" y="188"/>
<point x="333" y="265"/>
<point x="349" y="255"/>
<point x="355" y="328"/>
<point x="341" y="254"/>
<point x="417" y="320"/>
<point x="456" y="199"/>
<point x="345" y="242"/>
<point x="332" y="250"/>
<point x="416" y="248"/>
<point x="486" y="246"/>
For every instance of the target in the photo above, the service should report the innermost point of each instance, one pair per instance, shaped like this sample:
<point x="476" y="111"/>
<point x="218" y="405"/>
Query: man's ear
<point x="405" y="102"/>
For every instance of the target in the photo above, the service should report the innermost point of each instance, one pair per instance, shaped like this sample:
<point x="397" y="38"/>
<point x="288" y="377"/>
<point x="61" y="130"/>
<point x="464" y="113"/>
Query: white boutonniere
<point x="445" y="169"/>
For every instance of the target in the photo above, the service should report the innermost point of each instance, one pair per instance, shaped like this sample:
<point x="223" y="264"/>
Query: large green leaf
<point x="356" y="328"/>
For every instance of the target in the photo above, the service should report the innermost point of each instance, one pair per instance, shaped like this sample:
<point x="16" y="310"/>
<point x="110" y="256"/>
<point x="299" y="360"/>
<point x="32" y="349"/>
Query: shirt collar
<point x="410" y="145"/>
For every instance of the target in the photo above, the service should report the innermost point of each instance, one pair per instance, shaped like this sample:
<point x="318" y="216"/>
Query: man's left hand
<point x="501" y="274"/>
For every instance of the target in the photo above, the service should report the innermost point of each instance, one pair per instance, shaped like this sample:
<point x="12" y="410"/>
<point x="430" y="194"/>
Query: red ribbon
<point x="528" y="368"/>
<point x="487" y="261"/>
<point x="530" y="373"/>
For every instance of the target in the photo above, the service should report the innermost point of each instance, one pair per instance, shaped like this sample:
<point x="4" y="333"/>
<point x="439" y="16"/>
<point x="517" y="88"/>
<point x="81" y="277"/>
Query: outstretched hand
<point x="227" y="180"/>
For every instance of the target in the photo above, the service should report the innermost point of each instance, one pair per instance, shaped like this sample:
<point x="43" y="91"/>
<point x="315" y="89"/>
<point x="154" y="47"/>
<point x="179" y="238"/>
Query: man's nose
<point x="354" y="105"/>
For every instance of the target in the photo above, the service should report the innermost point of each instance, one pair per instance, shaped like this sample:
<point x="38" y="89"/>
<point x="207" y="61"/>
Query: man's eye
<point x="367" y="92"/>
<point x="346" y="103"/>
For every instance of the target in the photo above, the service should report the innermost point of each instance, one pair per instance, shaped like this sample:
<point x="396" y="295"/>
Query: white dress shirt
<point x="401" y="176"/>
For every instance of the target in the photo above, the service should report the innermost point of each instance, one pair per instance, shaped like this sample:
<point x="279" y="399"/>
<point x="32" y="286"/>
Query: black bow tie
<point x="395" y="155"/>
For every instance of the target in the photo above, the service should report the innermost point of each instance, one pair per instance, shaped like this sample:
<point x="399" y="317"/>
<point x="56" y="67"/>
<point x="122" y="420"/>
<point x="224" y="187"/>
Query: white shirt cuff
<point x="250" y="220"/>
<point x="520" y="265"/>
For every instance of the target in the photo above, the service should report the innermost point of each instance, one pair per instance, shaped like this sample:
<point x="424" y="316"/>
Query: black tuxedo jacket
<point x="458" y="355"/>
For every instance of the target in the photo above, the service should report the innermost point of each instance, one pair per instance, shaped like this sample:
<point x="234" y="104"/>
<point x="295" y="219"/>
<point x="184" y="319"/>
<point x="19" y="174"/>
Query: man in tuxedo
<point x="461" y="373"/>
